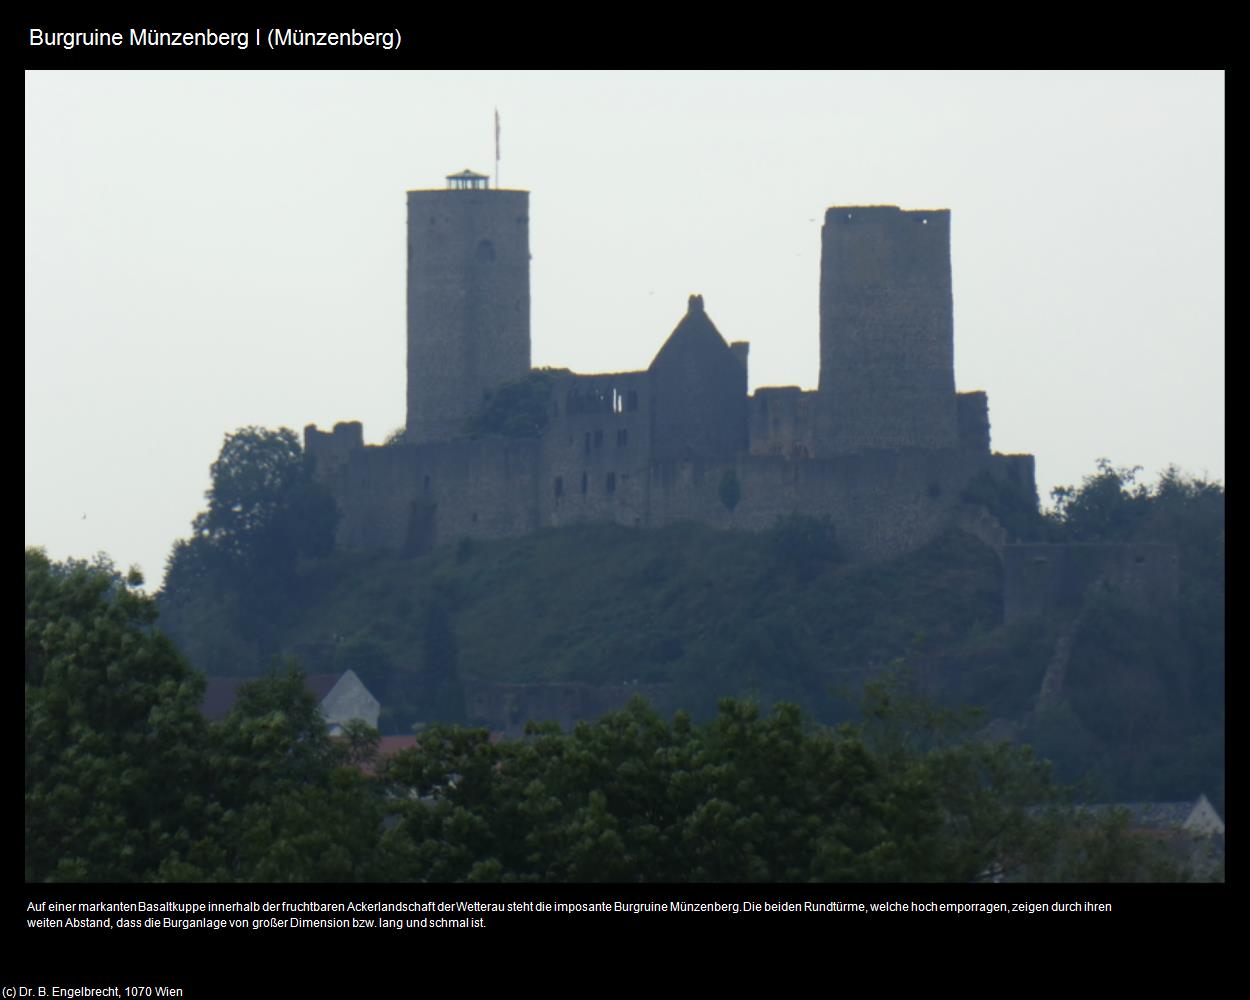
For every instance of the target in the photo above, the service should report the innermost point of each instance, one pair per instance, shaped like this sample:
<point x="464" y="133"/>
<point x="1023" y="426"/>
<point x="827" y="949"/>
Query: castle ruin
<point x="885" y="447"/>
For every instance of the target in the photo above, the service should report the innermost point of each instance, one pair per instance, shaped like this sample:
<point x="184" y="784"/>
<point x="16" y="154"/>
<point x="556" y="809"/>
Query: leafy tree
<point x="114" y="736"/>
<point x="126" y="781"/>
<point x="745" y="798"/>
<point x="1107" y="507"/>
<point x="518" y="409"/>
<point x="264" y="507"/>
<point x="265" y="510"/>
<point x="294" y="805"/>
<point x="1012" y="501"/>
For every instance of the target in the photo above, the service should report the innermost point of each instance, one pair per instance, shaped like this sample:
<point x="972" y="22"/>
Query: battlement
<point x="332" y="450"/>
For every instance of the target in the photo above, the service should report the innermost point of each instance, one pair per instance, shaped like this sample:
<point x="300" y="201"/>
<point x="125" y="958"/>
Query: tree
<point x="293" y="804"/>
<point x="126" y="781"/>
<point x="1107" y="507"/>
<point x="744" y="798"/>
<point x="518" y="409"/>
<point x="114" y="736"/>
<point x="265" y="510"/>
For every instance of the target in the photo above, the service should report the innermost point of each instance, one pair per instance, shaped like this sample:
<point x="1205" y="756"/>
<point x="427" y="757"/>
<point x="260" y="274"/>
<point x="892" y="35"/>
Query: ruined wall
<point x="887" y="371"/>
<point x="973" y="409"/>
<point x="881" y="503"/>
<point x="331" y="451"/>
<point x="593" y="464"/>
<point x="468" y="304"/>
<point x="782" y="421"/>
<point x="596" y="450"/>
<point x="410" y="498"/>
<point x="1057" y="579"/>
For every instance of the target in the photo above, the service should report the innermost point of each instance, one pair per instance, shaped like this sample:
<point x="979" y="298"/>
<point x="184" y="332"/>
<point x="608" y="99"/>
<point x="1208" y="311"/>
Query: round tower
<point x="887" y="339"/>
<point x="468" y="301"/>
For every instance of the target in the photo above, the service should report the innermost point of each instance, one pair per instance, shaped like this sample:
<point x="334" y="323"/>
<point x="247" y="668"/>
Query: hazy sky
<point x="208" y="250"/>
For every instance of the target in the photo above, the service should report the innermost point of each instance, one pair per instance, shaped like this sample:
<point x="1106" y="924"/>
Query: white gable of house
<point x="349" y="699"/>
<point x="1204" y="820"/>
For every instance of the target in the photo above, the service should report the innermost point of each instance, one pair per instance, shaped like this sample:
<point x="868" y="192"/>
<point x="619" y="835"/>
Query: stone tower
<point x="887" y="356"/>
<point x="468" y="301"/>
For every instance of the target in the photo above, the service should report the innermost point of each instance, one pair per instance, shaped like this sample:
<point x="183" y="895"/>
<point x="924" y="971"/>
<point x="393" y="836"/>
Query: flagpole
<point x="496" y="149"/>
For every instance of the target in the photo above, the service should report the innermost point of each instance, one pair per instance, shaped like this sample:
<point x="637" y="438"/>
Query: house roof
<point x="220" y="693"/>
<point x="1198" y="817"/>
<point x="695" y="330"/>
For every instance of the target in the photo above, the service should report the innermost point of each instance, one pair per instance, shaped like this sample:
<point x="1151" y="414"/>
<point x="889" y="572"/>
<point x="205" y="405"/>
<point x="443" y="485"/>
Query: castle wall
<point x="973" y="410"/>
<point x="596" y="450"/>
<point x="410" y="498"/>
<point x="1057" y="579"/>
<point x="468" y="304"/>
<point x="593" y="465"/>
<point x="887" y="366"/>
<point x="331" y="451"/>
<point x="782" y="421"/>
<point x="881" y="503"/>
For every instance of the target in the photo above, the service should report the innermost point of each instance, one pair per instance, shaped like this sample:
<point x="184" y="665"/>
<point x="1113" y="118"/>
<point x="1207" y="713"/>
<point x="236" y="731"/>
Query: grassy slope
<point x="714" y="613"/>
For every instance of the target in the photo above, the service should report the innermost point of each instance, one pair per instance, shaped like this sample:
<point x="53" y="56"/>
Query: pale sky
<point x="209" y="250"/>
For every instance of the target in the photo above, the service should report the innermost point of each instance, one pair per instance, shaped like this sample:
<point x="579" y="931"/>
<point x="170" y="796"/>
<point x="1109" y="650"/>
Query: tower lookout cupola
<point x="467" y="180"/>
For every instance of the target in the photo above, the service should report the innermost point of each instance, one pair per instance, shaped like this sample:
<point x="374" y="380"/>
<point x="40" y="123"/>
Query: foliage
<point x="1107" y="507"/>
<point x="1011" y="501"/>
<point x="114" y="737"/>
<point x="518" y="409"/>
<point x="126" y="781"/>
<point x="440" y="694"/>
<point x="265" y="510"/>
<point x="804" y="544"/>
<point x="744" y="798"/>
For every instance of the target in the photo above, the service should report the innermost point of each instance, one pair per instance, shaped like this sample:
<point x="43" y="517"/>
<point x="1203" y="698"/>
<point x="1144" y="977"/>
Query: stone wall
<point x="782" y="421"/>
<point x="410" y="498"/>
<point x="973" y="410"/>
<point x="593" y="465"/>
<point x="596" y="450"/>
<point x="881" y="503"/>
<point x="1058" y="579"/>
